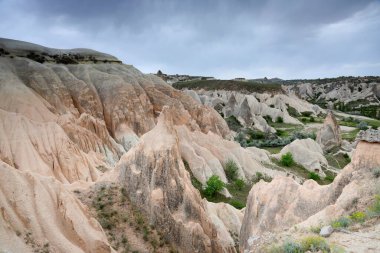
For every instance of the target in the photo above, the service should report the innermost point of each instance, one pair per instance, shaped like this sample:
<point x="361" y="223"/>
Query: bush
<point x="287" y="159"/>
<point x="376" y="172"/>
<point x="312" y="119"/>
<point x="362" y="125"/>
<point x="239" y="183"/>
<point x="214" y="185"/>
<point x="342" y="222"/>
<point x="358" y="216"/>
<point x="279" y="120"/>
<point x="237" y="204"/>
<point x="231" y="170"/>
<point x="314" y="244"/>
<point x="306" y="114"/>
<point x="260" y="176"/>
<point x="314" y="176"/>
<point x="375" y="208"/>
<point x="292" y="247"/>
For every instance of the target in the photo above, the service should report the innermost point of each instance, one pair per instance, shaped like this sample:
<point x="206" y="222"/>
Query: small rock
<point x="326" y="231"/>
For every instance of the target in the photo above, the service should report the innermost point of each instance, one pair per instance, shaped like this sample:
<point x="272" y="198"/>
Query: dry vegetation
<point x="127" y="229"/>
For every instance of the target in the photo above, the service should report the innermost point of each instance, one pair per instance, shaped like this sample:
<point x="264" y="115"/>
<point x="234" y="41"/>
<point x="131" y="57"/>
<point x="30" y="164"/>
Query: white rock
<point x="326" y="231"/>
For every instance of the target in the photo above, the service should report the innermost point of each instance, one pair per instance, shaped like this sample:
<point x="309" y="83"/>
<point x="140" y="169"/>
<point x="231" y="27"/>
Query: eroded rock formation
<point x="328" y="135"/>
<point x="283" y="203"/>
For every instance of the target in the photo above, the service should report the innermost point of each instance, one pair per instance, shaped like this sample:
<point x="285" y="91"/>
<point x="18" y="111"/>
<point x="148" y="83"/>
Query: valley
<point x="96" y="156"/>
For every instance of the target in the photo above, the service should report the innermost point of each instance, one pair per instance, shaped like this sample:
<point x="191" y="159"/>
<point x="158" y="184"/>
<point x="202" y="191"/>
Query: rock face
<point x="370" y="135"/>
<point x="282" y="203"/>
<point x="65" y="123"/>
<point x="157" y="181"/>
<point x="348" y="94"/>
<point x="250" y="109"/>
<point x="37" y="211"/>
<point x="328" y="136"/>
<point x="306" y="152"/>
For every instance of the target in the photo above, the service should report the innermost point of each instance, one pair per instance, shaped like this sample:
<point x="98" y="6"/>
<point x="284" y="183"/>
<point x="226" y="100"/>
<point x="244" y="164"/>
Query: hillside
<point x="242" y="86"/>
<point x="96" y="156"/>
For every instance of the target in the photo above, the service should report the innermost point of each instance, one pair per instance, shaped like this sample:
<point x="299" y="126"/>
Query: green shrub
<point x="306" y="114"/>
<point x="312" y="119"/>
<point x="279" y="120"/>
<point x="237" y="204"/>
<point x="287" y="159"/>
<point x="239" y="183"/>
<point x="231" y="170"/>
<point x="342" y="222"/>
<point x="213" y="185"/>
<point x="314" y="176"/>
<point x="314" y="244"/>
<point x="376" y="172"/>
<point x="260" y="176"/>
<point x="362" y="125"/>
<point x="358" y="216"/>
<point x="375" y="208"/>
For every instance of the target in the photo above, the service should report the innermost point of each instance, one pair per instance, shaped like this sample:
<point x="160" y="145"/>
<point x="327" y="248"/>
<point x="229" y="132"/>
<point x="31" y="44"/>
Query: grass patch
<point x="307" y="244"/>
<point x="338" y="161"/>
<point x="233" y="123"/>
<point x="314" y="176"/>
<point x="273" y="150"/>
<point x="350" y="136"/>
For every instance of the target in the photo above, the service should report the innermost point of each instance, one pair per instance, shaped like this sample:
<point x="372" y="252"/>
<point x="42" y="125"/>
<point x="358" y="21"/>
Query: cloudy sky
<point x="221" y="38"/>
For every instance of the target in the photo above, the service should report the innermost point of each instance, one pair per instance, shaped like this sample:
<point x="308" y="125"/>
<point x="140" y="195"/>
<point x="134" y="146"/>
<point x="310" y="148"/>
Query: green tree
<point x="213" y="185"/>
<point x="287" y="159"/>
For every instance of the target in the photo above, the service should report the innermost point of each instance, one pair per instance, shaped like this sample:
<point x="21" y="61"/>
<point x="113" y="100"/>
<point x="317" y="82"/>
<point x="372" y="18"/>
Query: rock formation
<point x="250" y="109"/>
<point x="307" y="153"/>
<point x="69" y="123"/>
<point x="348" y="94"/>
<point x="38" y="213"/>
<point x="157" y="181"/>
<point x="283" y="203"/>
<point x="328" y="136"/>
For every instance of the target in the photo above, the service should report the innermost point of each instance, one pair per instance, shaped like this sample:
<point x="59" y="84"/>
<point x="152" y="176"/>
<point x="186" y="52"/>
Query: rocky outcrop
<point x="250" y="109"/>
<point x="370" y="135"/>
<point x="69" y="123"/>
<point x="38" y="214"/>
<point x="329" y="136"/>
<point x="307" y="153"/>
<point x="44" y="148"/>
<point x="227" y="221"/>
<point x="207" y="154"/>
<point x="157" y="181"/>
<point x="283" y="203"/>
<point x="349" y="94"/>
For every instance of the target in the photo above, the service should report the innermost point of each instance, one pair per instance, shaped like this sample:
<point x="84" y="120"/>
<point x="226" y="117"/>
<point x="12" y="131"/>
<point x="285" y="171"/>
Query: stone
<point x="326" y="231"/>
<point x="307" y="153"/>
<point x="329" y="135"/>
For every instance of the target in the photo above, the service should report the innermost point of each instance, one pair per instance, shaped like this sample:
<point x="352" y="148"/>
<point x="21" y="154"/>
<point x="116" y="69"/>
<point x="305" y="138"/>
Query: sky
<point x="288" y="39"/>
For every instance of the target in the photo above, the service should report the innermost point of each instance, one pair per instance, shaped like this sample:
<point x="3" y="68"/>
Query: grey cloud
<point x="289" y="39"/>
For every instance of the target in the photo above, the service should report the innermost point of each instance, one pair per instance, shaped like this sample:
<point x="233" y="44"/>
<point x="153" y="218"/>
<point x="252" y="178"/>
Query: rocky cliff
<point x="66" y="122"/>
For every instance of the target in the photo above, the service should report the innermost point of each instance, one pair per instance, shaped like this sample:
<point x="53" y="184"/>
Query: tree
<point x="287" y="159"/>
<point x="231" y="170"/>
<point x="214" y="185"/>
